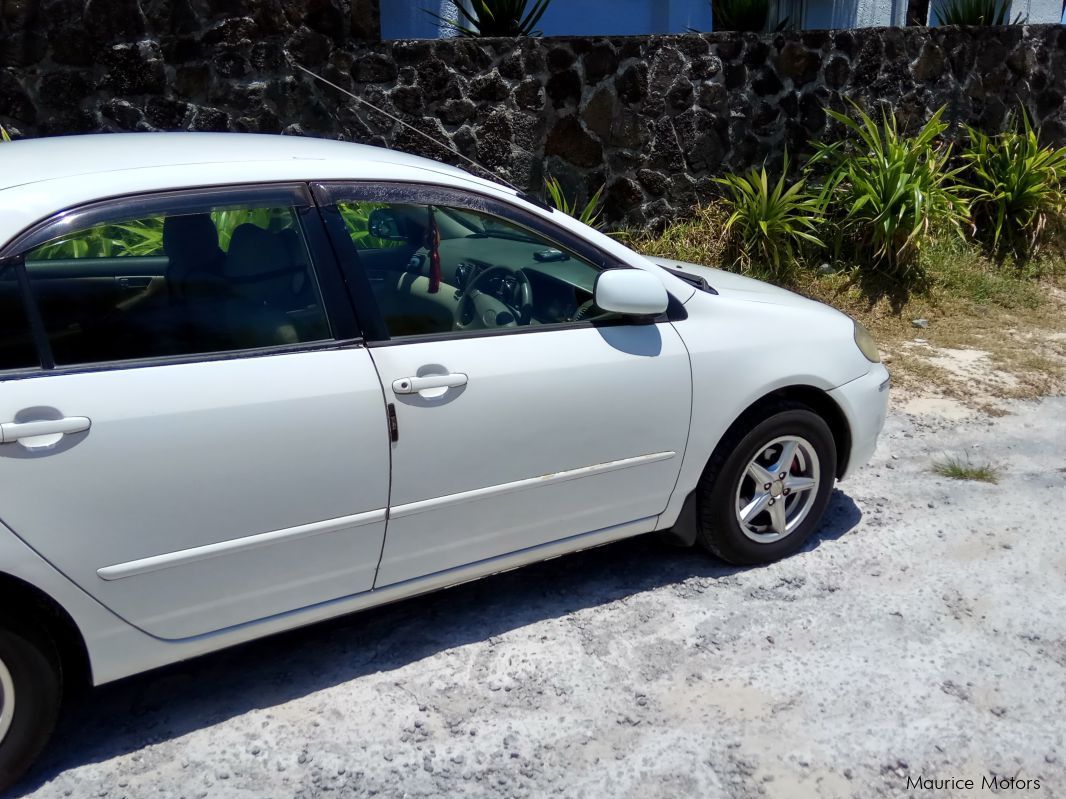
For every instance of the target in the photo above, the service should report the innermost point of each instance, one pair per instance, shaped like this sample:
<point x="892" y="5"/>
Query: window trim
<point x="42" y="347"/>
<point x="343" y="326"/>
<point x="100" y="211"/>
<point x="329" y="193"/>
<point x="38" y="330"/>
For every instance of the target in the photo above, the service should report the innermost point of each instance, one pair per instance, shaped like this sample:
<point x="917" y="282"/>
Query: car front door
<point x="204" y="453"/>
<point x="523" y="416"/>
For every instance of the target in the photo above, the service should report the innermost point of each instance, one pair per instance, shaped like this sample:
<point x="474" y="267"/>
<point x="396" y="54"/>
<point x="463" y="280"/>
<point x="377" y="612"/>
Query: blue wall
<point x="406" y="19"/>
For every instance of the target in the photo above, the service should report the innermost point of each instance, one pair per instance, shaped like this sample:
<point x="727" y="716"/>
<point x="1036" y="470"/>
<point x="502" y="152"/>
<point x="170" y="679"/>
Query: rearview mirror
<point x="633" y="292"/>
<point x="384" y="224"/>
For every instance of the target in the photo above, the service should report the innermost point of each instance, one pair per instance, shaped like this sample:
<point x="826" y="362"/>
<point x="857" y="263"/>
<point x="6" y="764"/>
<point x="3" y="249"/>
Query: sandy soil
<point x="922" y="634"/>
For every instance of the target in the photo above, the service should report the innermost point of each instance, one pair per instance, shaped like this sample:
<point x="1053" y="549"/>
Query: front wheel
<point x="29" y="700"/>
<point x="766" y="488"/>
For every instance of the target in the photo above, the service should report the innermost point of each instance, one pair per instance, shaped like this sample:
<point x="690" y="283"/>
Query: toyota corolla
<point x="250" y="382"/>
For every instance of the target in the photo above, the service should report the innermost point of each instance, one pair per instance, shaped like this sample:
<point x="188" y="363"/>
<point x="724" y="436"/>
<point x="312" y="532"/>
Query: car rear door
<point x="514" y="436"/>
<point x="208" y="456"/>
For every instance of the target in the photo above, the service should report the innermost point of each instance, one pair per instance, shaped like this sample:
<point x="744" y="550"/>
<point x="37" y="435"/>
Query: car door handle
<point x="131" y="283"/>
<point x="10" y="432"/>
<point x="412" y="385"/>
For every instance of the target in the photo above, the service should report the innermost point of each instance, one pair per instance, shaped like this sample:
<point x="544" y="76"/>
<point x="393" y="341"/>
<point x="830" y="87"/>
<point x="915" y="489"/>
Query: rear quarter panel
<point x="100" y="628"/>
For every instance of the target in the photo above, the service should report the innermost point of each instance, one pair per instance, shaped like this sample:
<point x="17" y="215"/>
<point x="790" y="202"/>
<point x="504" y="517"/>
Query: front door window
<point x="439" y="269"/>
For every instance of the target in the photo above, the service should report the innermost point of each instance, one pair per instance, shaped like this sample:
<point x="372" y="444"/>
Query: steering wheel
<point x="477" y="309"/>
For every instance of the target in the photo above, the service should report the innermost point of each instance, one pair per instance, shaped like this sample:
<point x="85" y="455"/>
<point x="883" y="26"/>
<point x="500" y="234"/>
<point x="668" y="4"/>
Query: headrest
<point x="191" y="238"/>
<point x="254" y="252"/>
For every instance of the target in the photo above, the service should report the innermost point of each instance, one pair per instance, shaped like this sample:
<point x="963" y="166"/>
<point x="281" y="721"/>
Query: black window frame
<point x="328" y="194"/>
<point x="33" y="319"/>
<point x="341" y="319"/>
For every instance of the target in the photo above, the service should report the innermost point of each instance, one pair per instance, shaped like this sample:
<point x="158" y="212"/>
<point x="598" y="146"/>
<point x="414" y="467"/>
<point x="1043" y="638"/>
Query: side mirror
<point x="633" y="292"/>
<point x="384" y="224"/>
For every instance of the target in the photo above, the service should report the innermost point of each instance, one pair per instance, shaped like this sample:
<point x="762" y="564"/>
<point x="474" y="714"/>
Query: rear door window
<point x="218" y="279"/>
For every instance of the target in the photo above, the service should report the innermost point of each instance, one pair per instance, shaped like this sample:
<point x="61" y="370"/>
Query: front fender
<point x="741" y="351"/>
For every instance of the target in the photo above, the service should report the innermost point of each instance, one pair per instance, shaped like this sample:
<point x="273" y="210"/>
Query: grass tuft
<point x="698" y="239"/>
<point x="959" y="469"/>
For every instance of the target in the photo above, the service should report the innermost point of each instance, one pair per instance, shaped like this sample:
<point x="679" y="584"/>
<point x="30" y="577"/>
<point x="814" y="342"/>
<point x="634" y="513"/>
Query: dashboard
<point x="560" y="285"/>
<point x="555" y="299"/>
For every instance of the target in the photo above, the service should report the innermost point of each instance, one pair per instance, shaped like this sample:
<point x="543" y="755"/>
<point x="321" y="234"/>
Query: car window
<point x="17" y="348"/>
<point x="455" y="270"/>
<point x="226" y="278"/>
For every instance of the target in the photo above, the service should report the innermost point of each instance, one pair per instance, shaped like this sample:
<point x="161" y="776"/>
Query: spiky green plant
<point x="1017" y="186"/>
<point x="745" y="15"/>
<point x="356" y="216"/>
<point x="144" y="237"/>
<point x="4" y="135"/>
<point x="975" y="12"/>
<point x="589" y="213"/>
<point x="137" y="238"/>
<point x="769" y="221"/>
<point x="887" y="191"/>
<point x="496" y="18"/>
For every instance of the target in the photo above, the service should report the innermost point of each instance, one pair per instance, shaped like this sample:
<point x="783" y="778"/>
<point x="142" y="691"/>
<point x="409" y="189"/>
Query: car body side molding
<point x="185" y="556"/>
<point x="412" y="508"/>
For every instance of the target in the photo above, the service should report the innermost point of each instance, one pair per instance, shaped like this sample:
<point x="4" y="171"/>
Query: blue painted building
<point x="408" y="19"/>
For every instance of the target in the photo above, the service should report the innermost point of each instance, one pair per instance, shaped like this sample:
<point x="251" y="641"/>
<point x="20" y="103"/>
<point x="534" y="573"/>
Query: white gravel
<point x="922" y="634"/>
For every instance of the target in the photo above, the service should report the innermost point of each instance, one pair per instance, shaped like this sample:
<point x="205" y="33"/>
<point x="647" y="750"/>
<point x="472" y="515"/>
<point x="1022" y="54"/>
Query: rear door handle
<point x="10" y="432"/>
<point x="131" y="283"/>
<point x="412" y="385"/>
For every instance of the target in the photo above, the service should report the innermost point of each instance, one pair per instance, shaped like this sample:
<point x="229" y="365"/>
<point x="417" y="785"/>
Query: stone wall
<point x="654" y="118"/>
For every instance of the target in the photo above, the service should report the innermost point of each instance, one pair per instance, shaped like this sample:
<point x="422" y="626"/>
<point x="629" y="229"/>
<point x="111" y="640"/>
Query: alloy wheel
<point x="7" y="700"/>
<point x="777" y="489"/>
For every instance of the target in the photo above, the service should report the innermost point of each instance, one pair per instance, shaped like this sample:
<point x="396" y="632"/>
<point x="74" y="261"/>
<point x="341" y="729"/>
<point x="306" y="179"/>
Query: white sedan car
<point x="250" y="382"/>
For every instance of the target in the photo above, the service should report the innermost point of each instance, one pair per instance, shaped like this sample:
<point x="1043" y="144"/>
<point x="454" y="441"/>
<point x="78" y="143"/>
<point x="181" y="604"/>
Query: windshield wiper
<point x="694" y="280"/>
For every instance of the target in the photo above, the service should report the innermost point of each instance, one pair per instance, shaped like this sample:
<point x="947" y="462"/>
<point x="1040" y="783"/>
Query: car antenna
<point x="530" y="198"/>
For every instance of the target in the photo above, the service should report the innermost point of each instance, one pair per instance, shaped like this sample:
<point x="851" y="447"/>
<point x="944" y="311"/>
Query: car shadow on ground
<point x="128" y="715"/>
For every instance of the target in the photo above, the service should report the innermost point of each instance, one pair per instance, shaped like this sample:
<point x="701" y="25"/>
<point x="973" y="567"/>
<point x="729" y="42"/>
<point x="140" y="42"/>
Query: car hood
<point x="736" y="286"/>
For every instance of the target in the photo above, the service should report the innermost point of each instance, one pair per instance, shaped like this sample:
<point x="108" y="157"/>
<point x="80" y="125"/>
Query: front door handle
<point x="412" y="385"/>
<point x="10" y="432"/>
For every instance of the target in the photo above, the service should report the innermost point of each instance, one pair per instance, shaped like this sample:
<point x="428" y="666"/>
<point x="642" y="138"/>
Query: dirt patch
<point x="982" y="360"/>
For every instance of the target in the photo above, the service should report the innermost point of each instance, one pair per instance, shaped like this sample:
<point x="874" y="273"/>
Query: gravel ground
<point x="922" y="634"/>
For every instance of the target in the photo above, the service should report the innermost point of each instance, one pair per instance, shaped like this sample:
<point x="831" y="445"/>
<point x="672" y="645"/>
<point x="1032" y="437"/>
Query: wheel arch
<point x="823" y="405"/>
<point x="683" y="531"/>
<point x="814" y="398"/>
<point x="19" y="598"/>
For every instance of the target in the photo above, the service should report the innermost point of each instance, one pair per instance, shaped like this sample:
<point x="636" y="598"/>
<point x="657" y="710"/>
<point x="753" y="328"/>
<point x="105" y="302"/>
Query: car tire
<point x="30" y="673"/>
<point x="747" y="522"/>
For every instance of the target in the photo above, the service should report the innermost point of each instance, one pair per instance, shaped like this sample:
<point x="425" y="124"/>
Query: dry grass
<point x="698" y="240"/>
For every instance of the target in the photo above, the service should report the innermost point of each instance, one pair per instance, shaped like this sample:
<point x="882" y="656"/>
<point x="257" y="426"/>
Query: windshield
<point x="482" y="226"/>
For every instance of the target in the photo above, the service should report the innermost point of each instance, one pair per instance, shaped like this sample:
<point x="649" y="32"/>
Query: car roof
<point x="30" y="161"/>
<point x="41" y="177"/>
